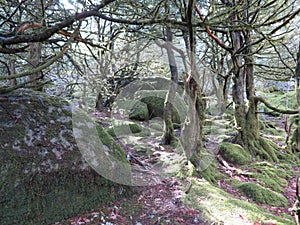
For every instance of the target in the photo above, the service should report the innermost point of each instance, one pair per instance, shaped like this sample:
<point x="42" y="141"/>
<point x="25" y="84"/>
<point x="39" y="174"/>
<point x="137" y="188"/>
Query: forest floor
<point x="162" y="203"/>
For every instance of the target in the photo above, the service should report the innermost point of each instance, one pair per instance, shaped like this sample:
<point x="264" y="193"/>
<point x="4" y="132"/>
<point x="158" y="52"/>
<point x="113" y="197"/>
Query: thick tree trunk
<point x="238" y="87"/>
<point x="246" y="116"/>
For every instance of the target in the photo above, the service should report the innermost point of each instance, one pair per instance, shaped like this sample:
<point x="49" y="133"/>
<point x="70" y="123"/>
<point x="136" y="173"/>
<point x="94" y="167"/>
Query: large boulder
<point x="43" y="175"/>
<point x="151" y="104"/>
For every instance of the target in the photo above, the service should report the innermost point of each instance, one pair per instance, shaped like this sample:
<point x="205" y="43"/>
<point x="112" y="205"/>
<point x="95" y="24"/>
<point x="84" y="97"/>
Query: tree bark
<point x="298" y="97"/>
<point x="12" y="71"/>
<point x="34" y="60"/>
<point x="168" y="137"/>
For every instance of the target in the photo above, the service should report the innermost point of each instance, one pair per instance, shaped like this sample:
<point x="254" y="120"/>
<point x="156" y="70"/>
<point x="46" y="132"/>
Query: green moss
<point x="114" y="147"/>
<point x="219" y="207"/>
<point x="234" y="153"/>
<point x="262" y="195"/>
<point x="267" y="149"/>
<point x="51" y="197"/>
<point x="273" y="176"/>
<point x="124" y="129"/>
<point x="156" y="108"/>
<point x="279" y="99"/>
<point x="261" y="125"/>
<point x="156" y="126"/>
<point x="139" y="111"/>
<point x="155" y="99"/>
<point x="293" y="143"/>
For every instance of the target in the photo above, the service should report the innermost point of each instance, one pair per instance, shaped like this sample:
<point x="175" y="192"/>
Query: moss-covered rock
<point x="43" y="175"/>
<point x="139" y="111"/>
<point x="156" y="126"/>
<point x="262" y="195"/>
<point x="234" y="153"/>
<point x="155" y="99"/>
<point x="124" y="128"/>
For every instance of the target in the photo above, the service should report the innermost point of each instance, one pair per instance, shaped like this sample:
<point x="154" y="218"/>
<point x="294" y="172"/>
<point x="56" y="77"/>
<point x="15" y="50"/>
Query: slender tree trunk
<point x="12" y="71"/>
<point x="298" y="97"/>
<point x="35" y="57"/>
<point x="251" y="129"/>
<point x="193" y="88"/>
<point x="169" y="137"/>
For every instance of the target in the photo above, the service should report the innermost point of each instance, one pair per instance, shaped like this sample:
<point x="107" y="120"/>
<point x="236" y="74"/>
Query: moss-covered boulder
<point x="234" y="153"/>
<point x="139" y="111"/>
<point x="262" y="195"/>
<point x="43" y="175"/>
<point x="124" y="128"/>
<point x="154" y="100"/>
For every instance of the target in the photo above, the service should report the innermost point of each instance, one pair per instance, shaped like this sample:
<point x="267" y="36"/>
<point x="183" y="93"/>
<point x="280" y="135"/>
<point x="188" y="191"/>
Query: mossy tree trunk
<point x="194" y="90"/>
<point x="246" y="115"/>
<point x="298" y="97"/>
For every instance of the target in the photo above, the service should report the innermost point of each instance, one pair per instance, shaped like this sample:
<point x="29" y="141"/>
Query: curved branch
<point x="268" y="105"/>
<point x="208" y="31"/>
<point x="13" y="50"/>
<point x="45" y="65"/>
<point x="46" y="34"/>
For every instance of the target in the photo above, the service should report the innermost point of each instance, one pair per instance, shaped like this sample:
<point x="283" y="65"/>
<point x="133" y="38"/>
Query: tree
<point x="249" y="29"/>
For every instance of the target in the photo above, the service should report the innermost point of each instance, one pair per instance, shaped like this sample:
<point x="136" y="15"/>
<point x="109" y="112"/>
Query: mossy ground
<point x="262" y="195"/>
<point x="222" y="208"/>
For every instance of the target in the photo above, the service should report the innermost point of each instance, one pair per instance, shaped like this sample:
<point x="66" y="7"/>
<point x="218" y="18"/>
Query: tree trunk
<point x="12" y="71"/>
<point x="169" y="137"/>
<point x="34" y="60"/>
<point x="238" y="86"/>
<point x="193" y="88"/>
<point x="246" y="116"/>
<point x="99" y="103"/>
<point x="298" y="97"/>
